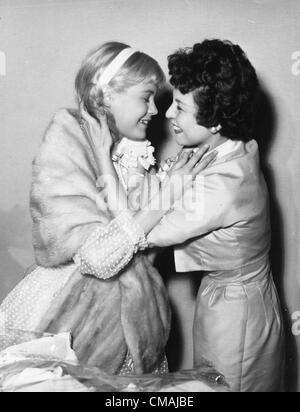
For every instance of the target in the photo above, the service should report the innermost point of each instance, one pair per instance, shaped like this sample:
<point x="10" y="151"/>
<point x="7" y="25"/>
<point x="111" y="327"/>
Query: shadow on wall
<point x="266" y="124"/>
<point x="15" y="244"/>
<point x="158" y="128"/>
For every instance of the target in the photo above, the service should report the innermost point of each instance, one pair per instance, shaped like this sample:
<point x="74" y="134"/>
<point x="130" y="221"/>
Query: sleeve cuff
<point x="132" y="229"/>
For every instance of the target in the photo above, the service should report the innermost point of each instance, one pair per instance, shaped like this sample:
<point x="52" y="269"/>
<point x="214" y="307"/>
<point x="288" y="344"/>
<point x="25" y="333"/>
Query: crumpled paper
<point x="46" y="363"/>
<point x="49" y="347"/>
<point x="56" y="348"/>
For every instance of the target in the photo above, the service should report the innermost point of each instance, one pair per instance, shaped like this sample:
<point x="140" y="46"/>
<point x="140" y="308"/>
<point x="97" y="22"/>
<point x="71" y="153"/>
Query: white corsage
<point x="130" y="153"/>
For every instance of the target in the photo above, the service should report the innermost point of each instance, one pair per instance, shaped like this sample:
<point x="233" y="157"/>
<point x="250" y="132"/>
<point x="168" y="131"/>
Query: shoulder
<point x="236" y="164"/>
<point x="66" y="114"/>
<point x="63" y="139"/>
<point x="233" y="175"/>
<point x="238" y="178"/>
<point x="65" y="118"/>
<point x="64" y="128"/>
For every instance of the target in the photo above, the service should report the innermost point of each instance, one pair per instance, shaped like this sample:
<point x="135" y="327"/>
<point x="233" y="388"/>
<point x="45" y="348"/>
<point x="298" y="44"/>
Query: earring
<point x="107" y="100"/>
<point x="215" y="129"/>
<point x="106" y="96"/>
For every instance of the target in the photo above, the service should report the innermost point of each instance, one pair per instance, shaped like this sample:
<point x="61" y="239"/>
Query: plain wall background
<point x="44" y="42"/>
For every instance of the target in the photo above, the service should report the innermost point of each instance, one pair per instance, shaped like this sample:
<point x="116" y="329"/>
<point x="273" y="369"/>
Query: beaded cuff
<point x="109" y="249"/>
<point x="133" y="230"/>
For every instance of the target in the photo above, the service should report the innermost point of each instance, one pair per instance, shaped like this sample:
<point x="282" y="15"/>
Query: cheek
<point x="195" y="134"/>
<point x="133" y="112"/>
<point x="117" y="119"/>
<point x="199" y="134"/>
<point x="115" y="110"/>
<point x="186" y="124"/>
<point x="182" y="120"/>
<point x="141" y="109"/>
<point x="121" y="115"/>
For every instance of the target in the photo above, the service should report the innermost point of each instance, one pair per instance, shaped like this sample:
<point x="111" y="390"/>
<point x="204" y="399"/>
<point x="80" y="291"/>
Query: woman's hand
<point x="184" y="171"/>
<point x="192" y="163"/>
<point x="101" y="142"/>
<point x="98" y="132"/>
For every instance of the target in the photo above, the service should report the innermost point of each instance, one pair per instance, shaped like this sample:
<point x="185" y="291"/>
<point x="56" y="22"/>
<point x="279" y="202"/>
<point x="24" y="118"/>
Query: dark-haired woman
<point x="225" y="232"/>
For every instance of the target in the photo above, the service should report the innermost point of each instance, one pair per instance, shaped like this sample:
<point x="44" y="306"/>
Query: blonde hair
<point x="139" y="67"/>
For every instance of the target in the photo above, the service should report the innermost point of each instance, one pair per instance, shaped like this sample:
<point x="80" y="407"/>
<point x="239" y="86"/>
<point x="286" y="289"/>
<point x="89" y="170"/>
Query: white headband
<point x="111" y="70"/>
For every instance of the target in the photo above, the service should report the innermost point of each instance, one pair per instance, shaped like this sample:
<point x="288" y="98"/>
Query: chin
<point x="180" y="139"/>
<point x="137" y="136"/>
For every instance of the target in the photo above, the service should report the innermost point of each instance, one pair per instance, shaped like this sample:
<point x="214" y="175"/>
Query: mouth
<point x="176" y="129"/>
<point x="145" y="122"/>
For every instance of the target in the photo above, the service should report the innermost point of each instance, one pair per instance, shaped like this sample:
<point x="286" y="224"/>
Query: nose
<point x="152" y="108"/>
<point x="170" y="113"/>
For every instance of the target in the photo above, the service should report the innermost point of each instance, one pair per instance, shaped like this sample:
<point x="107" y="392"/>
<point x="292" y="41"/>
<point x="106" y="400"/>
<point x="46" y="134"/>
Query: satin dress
<point x="223" y="230"/>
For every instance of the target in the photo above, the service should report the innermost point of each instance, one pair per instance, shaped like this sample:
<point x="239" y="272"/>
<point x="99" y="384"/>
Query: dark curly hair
<point x="223" y="82"/>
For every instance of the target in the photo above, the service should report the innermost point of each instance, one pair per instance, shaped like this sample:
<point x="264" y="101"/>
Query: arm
<point x="206" y="207"/>
<point x="180" y="176"/>
<point x="110" y="248"/>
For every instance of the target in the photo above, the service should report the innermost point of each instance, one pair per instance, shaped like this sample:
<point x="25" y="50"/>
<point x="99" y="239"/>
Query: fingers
<point x="102" y="117"/>
<point x="179" y="154"/>
<point x="91" y="121"/>
<point x="197" y="156"/>
<point x="190" y="158"/>
<point x="83" y="110"/>
<point x="182" y="160"/>
<point x="204" y="163"/>
<point x="81" y="107"/>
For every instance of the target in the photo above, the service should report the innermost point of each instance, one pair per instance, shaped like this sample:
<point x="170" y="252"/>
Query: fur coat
<point x="107" y="318"/>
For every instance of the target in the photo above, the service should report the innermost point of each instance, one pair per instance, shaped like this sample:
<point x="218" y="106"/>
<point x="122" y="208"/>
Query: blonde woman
<point x="92" y="278"/>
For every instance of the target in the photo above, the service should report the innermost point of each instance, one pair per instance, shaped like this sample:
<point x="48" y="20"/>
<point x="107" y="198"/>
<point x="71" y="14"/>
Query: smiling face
<point x="133" y="109"/>
<point x="182" y="114"/>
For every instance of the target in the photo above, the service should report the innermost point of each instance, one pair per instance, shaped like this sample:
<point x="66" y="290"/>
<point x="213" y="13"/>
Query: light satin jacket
<point x="224" y="223"/>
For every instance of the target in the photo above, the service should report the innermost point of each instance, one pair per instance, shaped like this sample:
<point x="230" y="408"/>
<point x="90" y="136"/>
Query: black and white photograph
<point x="150" y="198"/>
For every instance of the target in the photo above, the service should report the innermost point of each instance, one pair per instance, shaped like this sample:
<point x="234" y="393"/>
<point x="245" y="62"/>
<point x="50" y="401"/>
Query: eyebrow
<point x="182" y="103"/>
<point x="148" y="91"/>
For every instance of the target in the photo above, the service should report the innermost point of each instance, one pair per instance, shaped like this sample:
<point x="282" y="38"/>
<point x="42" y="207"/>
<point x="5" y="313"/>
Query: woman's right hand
<point x="185" y="170"/>
<point x="179" y="177"/>
<point x="98" y="132"/>
<point x="192" y="163"/>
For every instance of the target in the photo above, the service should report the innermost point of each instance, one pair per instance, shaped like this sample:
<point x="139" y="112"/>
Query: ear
<point x="215" y="129"/>
<point x="106" y="98"/>
<point x="107" y="95"/>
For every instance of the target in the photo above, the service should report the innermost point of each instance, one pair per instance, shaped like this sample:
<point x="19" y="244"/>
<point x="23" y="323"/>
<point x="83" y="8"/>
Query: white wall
<point x="44" y="42"/>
